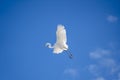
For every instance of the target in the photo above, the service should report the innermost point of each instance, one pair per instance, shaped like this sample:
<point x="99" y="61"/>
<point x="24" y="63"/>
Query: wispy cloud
<point x="71" y="72"/>
<point x="118" y="76"/>
<point x="112" y="18"/>
<point x="104" y="64"/>
<point x="99" y="53"/>
<point x="100" y="78"/>
<point x="107" y="62"/>
<point x="93" y="68"/>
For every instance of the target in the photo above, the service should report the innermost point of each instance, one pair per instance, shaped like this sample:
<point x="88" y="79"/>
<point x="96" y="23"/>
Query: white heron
<point x="60" y="44"/>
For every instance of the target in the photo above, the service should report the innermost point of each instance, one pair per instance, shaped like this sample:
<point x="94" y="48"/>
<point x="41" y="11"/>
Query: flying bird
<point x="61" y="40"/>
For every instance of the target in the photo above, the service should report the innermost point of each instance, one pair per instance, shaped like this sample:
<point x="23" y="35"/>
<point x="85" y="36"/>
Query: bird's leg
<point x="69" y="54"/>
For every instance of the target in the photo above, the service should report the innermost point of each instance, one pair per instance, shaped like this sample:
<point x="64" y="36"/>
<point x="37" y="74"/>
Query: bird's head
<point x="48" y="45"/>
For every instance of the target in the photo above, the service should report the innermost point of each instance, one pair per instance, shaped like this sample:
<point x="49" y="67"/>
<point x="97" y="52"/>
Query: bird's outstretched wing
<point x="61" y="40"/>
<point x="61" y="34"/>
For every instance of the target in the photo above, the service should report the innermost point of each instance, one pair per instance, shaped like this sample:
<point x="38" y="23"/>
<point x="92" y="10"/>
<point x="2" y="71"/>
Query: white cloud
<point x="71" y="72"/>
<point x="100" y="78"/>
<point x="93" y="69"/>
<point x="99" y="53"/>
<point x="104" y="64"/>
<point x="109" y="65"/>
<point x="112" y="18"/>
<point x="118" y="76"/>
<point x="115" y="69"/>
<point x="107" y="62"/>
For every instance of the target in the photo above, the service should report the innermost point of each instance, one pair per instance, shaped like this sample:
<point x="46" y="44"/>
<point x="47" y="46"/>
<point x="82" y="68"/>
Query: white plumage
<point x="61" y="40"/>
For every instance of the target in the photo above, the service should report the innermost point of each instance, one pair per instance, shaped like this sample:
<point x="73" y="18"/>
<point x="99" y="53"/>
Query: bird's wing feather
<point x="57" y="50"/>
<point x="61" y="34"/>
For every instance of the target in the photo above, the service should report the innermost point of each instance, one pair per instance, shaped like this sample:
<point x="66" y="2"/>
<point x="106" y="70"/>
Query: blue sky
<point x="93" y="29"/>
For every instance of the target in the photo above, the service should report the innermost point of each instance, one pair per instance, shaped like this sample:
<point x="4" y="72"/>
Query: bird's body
<point x="61" y="40"/>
